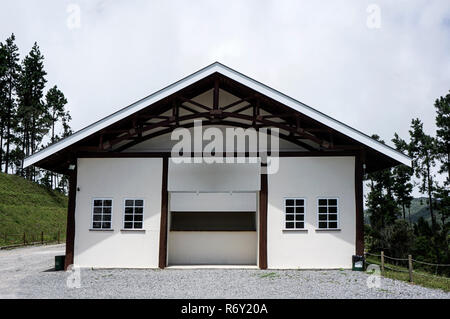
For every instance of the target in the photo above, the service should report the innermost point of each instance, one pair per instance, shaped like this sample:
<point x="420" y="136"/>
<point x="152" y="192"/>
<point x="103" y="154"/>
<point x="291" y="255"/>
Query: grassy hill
<point x="30" y="208"/>
<point x="419" y="208"/>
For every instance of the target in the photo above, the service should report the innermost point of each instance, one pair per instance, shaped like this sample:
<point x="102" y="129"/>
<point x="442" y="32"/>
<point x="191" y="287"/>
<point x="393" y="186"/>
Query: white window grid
<point x="294" y="213"/>
<point x="133" y="216"/>
<point x="328" y="213"/>
<point x="102" y="209"/>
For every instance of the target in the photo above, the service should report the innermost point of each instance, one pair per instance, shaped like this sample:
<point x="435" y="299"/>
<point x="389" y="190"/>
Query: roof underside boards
<point x="219" y="96"/>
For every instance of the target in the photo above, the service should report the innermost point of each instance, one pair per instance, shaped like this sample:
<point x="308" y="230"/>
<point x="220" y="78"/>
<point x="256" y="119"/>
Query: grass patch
<point x="420" y="278"/>
<point x="29" y="208"/>
<point x="269" y="275"/>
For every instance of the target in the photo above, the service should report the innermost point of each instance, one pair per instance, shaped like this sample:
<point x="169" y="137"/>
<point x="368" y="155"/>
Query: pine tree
<point x="3" y="99"/>
<point x="442" y="106"/>
<point x="55" y="102"/>
<point x="402" y="178"/>
<point x="32" y="111"/>
<point x="422" y="149"/>
<point x="381" y="204"/>
<point x="9" y="81"/>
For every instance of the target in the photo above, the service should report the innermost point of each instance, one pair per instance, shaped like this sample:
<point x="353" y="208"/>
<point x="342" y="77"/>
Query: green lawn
<point x="26" y="207"/>
<point x="421" y="278"/>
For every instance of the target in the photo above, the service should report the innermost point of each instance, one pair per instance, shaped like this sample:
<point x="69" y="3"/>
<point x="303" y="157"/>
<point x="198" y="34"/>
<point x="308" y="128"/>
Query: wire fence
<point x="398" y="265"/>
<point x="8" y="240"/>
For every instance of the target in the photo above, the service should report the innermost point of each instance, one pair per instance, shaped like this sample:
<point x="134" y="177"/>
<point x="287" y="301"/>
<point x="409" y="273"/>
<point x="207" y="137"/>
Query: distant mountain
<point x="419" y="208"/>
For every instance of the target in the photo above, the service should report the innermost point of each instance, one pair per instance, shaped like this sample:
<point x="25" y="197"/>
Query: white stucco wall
<point x="310" y="178"/>
<point x="307" y="178"/>
<point x="118" y="178"/>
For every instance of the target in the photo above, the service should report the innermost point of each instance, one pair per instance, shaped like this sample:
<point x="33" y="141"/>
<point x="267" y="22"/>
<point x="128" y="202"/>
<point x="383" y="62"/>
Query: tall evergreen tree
<point x="422" y="149"/>
<point x="442" y="106"/>
<point x="381" y="204"/>
<point x="32" y="111"/>
<point x="9" y="81"/>
<point x="55" y="103"/>
<point x="402" y="178"/>
<point x="2" y="99"/>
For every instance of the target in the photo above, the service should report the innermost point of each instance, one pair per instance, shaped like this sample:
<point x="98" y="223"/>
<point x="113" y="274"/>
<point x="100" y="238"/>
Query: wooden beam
<point x="263" y="203"/>
<point x="234" y="104"/>
<point x="70" y="230"/>
<point x="221" y="122"/>
<point x="359" y="205"/>
<point x="216" y="94"/>
<point x="195" y="103"/>
<point x="164" y="215"/>
<point x="168" y="154"/>
<point x="187" y="108"/>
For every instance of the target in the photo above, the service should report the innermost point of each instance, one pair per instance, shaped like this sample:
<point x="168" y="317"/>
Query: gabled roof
<point x="238" y="77"/>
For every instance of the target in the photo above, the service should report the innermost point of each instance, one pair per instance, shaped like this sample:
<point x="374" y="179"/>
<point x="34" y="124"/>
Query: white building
<point x="132" y="206"/>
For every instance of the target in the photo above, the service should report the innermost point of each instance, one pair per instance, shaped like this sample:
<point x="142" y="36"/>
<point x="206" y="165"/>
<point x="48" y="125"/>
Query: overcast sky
<point x="336" y="56"/>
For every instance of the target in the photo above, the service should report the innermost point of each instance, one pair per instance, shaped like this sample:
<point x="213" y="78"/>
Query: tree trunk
<point x="409" y="214"/>
<point x="8" y="126"/>
<point x="1" y="147"/>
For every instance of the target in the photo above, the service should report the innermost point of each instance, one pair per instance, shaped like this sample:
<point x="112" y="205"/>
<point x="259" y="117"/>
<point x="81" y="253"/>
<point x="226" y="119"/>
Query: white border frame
<point x="92" y="213"/>
<point x="123" y="214"/>
<point x="338" y="213"/>
<point x="304" y="213"/>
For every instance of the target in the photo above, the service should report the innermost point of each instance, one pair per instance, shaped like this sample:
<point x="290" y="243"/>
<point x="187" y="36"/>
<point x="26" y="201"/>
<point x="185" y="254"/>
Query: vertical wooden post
<point x="263" y="201"/>
<point x="24" y="238"/>
<point x="359" y="205"/>
<point x="164" y="213"/>
<point x="410" y="268"/>
<point x="216" y="94"/>
<point x="59" y="236"/>
<point x="382" y="261"/>
<point x="70" y="233"/>
<point x="42" y="238"/>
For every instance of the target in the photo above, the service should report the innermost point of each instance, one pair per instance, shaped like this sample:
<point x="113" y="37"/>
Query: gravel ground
<point x="27" y="273"/>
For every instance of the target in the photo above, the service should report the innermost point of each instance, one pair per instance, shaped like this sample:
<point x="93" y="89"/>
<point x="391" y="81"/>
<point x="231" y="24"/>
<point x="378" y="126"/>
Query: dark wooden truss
<point x="164" y="116"/>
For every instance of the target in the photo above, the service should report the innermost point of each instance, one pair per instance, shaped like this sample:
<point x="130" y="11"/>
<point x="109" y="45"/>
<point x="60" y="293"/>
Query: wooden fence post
<point x="382" y="261"/>
<point x="59" y="234"/>
<point x="24" y="238"/>
<point x="410" y="268"/>
<point x="42" y="238"/>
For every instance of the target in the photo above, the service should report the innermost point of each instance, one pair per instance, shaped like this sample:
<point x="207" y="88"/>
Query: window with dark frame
<point x="134" y="214"/>
<point x="294" y="209"/>
<point x="328" y="213"/>
<point x="101" y="213"/>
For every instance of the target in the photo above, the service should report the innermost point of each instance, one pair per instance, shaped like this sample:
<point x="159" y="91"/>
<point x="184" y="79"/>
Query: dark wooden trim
<point x="216" y="94"/>
<point x="263" y="202"/>
<point x="359" y="205"/>
<point x="70" y="230"/>
<point x="164" y="213"/>
<point x="168" y="154"/>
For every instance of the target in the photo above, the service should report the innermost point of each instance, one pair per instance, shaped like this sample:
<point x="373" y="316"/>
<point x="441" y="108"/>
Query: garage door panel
<point x="220" y="202"/>
<point x="212" y="248"/>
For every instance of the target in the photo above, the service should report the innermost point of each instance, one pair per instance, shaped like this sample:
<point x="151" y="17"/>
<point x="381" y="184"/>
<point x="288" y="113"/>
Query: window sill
<point x="327" y="229"/>
<point x="293" y="229"/>
<point x="100" y="229"/>
<point x="133" y="230"/>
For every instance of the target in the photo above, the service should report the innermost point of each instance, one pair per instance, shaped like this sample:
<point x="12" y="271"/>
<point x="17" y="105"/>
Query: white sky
<point x="319" y="52"/>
